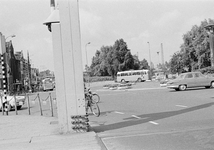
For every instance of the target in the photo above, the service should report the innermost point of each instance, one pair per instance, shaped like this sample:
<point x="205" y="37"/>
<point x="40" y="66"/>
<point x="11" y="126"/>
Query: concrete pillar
<point x="68" y="66"/>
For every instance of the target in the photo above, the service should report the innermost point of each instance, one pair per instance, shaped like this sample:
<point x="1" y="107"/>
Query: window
<point x="198" y="75"/>
<point x="189" y="76"/>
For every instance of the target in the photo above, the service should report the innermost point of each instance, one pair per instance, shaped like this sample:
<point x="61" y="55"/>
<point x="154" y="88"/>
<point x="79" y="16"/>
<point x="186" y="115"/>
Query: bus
<point x="133" y="75"/>
<point x="48" y="84"/>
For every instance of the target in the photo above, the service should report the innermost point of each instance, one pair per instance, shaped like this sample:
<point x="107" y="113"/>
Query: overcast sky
<point x="102" y="23"/>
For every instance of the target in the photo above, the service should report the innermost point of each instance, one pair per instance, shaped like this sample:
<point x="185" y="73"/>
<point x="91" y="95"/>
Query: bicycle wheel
<point x="96" y="98"/>
<point x="95" y="109"/>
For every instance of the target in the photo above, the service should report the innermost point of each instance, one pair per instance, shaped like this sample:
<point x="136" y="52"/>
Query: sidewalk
<point x="23" y="132"/>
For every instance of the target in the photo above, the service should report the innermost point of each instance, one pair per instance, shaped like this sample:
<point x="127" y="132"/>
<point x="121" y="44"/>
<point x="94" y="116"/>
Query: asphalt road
<point x="147" y="117"/>
<point x="156" y="118"/>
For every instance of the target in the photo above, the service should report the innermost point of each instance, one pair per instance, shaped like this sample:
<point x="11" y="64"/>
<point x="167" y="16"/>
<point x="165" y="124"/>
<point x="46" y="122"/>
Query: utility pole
<point x="162" y="55"/>
<point x="149" y="57"/>
<point x="210" y="30"/>
<point x="29" y="71"/>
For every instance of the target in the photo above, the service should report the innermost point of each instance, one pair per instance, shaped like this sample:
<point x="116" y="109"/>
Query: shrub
<point x="98" y="78"/>
<point x="207" y="70"/>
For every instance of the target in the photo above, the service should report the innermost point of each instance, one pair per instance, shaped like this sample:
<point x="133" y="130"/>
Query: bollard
<point x="2" y="108"/>
<point x="28" y="103"/>
<point x="51" y="105"/>
<point x="40" y="106"/>
<point x="15" y="104"/>
<point x="6" y="108"/>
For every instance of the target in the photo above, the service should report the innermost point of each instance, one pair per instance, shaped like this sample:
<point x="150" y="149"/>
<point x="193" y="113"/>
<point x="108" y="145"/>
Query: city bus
<point x="48" y="84"/>
<point x="133" y="75"/>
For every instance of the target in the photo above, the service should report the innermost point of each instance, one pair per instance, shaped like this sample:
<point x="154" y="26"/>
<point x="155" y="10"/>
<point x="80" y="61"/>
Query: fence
<point x="32" y="101"/>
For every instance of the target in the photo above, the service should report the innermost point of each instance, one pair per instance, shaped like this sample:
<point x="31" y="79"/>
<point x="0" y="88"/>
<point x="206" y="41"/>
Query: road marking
<point x="152" y="122"/>
<point x="181" y="106"/>
<point x="119" y="112"/>
<point x="138" y="89"/>
<point x="136" y="117"/>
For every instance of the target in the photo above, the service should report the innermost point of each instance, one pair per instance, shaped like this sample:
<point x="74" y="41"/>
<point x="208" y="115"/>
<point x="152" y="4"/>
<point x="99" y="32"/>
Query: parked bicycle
<point x="91" y="102"/>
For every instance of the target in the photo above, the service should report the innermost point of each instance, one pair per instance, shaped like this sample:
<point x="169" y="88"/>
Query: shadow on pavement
<point x="192" y="89"/>
<point x="148" y="117"/>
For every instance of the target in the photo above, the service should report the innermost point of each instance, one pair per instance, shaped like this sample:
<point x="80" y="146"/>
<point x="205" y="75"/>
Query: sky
<point x="102" y="22"/>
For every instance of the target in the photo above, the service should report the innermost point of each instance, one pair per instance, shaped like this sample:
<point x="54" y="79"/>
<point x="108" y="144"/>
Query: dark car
<point x="190" y="80"/>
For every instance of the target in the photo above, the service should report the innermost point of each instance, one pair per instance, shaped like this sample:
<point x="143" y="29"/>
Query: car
<point x="20" y="101"/>
<point x="191" y="80"/>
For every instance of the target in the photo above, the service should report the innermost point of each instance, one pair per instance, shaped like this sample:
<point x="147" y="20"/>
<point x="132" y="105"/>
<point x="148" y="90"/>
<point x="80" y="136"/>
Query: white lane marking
<point x="181" y="106"/>
<point x="155" y="123"/>
<point x="139" y="89"/>
<point x="119" y="112"/>
<point x="136" y="117"/>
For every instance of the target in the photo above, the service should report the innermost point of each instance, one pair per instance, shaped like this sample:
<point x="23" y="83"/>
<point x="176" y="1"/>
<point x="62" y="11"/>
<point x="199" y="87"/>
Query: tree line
<point x="111" y="59"/>
<point x="194" y="52"/>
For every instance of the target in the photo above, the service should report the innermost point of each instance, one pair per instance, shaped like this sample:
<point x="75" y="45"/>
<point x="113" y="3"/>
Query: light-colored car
<point x="191" y="80"/>
<point x="20" y="101"/>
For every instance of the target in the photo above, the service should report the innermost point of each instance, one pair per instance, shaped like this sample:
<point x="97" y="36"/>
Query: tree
<point x="144" y="64"/>
<point x="195" y="50"/>
<point x="176" y="65"/>
<point x="111" y="59"/>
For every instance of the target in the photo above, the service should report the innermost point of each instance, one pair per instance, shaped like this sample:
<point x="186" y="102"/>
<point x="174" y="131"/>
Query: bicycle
<point x="94" y="96"/>
<point x="92" y="104"/>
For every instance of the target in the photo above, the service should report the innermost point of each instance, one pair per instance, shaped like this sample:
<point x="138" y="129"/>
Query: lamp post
<point x="150" y="64"/>
<point x="87" y="69"/>
<point x="210" y="30"/>
<point x="12" y="36"/>
<point x="86" y="53"/>
<point x="149" y="56"/>
<point x="158" y="58"/>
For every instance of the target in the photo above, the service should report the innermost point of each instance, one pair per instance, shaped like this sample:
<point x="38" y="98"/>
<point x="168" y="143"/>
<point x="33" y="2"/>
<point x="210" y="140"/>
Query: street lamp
<point x="86" y="53"/>
<point x="150" y="61"/>
<point x="158" y="58"/>
<point x="210" y="29"/>
<point x="12" y="36"/>
<point x="87" y="61"/>
<point x="149" y="56"/>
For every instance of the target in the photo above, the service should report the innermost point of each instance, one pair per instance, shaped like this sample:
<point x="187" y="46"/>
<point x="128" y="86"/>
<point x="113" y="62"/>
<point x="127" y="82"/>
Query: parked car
<point x="190" y="80"/>
<point x="20" y="101"/>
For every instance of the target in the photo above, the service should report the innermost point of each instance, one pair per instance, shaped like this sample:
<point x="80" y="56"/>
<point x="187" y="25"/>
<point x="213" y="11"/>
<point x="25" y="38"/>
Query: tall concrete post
<point x="162" y="55"/>
<point x="68" y="67"/>
<point x="210" y="30"/>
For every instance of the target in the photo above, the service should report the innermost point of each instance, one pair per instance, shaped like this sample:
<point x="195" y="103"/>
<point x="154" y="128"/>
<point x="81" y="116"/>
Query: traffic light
<point x="80" y="123"/>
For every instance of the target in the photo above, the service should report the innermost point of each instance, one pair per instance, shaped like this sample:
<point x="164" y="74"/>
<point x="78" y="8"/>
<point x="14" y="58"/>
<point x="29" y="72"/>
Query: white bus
<point x="133" y="75"/>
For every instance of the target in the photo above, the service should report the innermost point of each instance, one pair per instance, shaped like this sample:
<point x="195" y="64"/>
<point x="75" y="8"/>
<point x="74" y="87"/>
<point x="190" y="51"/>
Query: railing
<point x="32" y="101"/>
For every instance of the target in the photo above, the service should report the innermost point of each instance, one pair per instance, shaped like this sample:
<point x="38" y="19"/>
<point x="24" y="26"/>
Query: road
<point x="148" y="117"/>
<point x="156" y="118"/>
